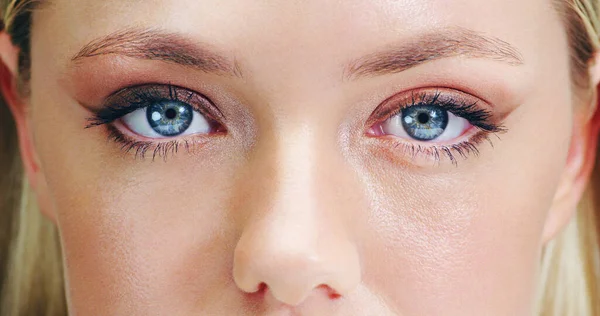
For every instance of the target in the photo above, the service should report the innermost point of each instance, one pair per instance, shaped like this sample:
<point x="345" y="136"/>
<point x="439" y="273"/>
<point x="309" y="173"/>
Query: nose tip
<point x="286" y="285"/>
<point x="291" y="275"/>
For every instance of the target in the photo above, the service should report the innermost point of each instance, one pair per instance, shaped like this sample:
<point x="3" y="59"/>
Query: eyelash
<point x="131" y="99"/>
<point x="479" y="118"/>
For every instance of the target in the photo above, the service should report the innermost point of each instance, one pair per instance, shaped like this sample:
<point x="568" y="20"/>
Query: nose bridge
<point x="296" y="161"/>
<point x="295" y="238"/>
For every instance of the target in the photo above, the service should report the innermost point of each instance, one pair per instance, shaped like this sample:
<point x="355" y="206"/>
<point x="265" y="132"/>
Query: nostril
<point x="263" y="291"/>
<point x="260" y="293"/>
<point x="262" y="288"/>
<point x="331" y="293"/>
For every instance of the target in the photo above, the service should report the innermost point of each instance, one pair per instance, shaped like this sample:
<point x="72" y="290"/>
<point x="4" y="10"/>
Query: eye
<point x="157" y="114"/>
<point x="166" y="119"/>
<point x="434" y="123"/>
<point x="425" y="123"/>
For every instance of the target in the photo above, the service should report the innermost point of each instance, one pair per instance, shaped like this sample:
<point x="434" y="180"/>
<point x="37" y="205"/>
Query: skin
<point x="296" y="195"/>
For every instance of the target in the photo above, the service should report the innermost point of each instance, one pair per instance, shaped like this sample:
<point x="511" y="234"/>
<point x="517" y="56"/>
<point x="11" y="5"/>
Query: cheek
<point x="162" y="234"/>
<point x="469" y="237"/>
<point x="138" y="235"/>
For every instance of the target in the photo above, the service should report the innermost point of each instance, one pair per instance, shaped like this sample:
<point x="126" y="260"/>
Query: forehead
<point x="305" y="25"/>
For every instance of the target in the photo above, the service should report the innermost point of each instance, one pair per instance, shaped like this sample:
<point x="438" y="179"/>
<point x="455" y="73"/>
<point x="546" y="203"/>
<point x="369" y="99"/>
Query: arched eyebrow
<point x="457" y="42"/>
<point x="154" y="44"/>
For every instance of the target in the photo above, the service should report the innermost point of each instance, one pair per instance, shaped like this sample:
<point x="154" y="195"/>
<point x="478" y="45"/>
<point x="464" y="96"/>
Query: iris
<point x="424" y="122"/>
<point x="170" y="118"/>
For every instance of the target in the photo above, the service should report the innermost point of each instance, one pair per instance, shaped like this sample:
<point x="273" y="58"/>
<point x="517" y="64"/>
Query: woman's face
<point x="351" y="157"/>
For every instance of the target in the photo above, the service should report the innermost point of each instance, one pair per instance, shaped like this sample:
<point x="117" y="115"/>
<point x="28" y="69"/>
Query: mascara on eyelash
<point x="452" y="152"/>
<point x="142" y="149"/>
<point x="477" y="116"/>
<point x="130" y="99"/>
<point x="127" y="101"/>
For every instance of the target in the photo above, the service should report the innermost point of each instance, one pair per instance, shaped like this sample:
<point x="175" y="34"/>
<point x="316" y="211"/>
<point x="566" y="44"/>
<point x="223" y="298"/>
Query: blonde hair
<point x="31" y="279"/>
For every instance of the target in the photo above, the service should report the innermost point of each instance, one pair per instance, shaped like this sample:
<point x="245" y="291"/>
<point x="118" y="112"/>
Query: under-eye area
<point x="434" y="124"/>
<point x="158" y="120"/>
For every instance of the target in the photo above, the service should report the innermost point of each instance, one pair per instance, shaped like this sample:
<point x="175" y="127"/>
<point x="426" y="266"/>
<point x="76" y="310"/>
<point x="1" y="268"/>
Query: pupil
<point x="423" y="118"/>
<point x="171" y="113"/>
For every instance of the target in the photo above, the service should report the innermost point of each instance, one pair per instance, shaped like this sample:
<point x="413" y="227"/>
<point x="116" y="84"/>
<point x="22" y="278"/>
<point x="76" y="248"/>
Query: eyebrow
<point x="429" y="47"/>
<point x="154" y="44"/>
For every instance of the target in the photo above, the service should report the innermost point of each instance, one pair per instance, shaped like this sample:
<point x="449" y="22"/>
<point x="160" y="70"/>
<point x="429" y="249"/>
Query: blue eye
<point x="425" y="123"/>
<point x="166" y="119"/>
<point x="170" y="118"/>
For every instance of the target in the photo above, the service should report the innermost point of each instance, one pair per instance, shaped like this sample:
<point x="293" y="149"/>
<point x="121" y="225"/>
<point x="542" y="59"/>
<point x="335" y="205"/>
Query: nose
<point x="297" y="238"/>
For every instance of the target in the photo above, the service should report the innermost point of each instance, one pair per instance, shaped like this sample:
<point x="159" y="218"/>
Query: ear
<point x="580" y="161"/>
<point x="17" y="104"/>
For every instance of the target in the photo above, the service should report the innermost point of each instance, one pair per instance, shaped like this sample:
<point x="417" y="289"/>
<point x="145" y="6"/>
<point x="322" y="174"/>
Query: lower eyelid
<point x="122" y="128"/>
<point x="406" y="152"/>
<point x="470" y="132"/>
<point x="130" y="143"/>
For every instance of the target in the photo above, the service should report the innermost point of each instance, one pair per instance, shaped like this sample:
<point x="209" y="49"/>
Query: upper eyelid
<point x="437" y="96"/>
<point x="123" y="98"/>
<point x="141" y="94"/>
